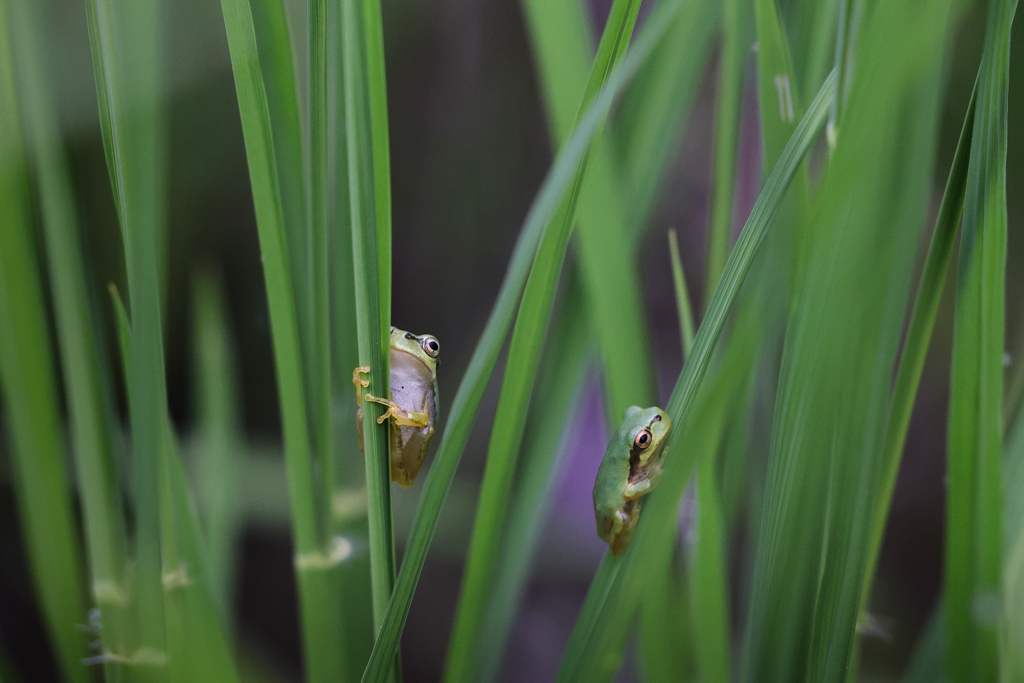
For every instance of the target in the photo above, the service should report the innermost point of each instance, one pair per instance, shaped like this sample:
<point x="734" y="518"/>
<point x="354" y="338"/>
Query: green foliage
<point x="974" y="550"/>
<point x="28" y="384"/>
<point x="790" y="414"/>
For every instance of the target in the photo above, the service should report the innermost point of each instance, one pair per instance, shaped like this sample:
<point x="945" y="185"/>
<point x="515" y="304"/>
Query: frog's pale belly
<point x="412" y="388"/>
<point x="411" y="383"/>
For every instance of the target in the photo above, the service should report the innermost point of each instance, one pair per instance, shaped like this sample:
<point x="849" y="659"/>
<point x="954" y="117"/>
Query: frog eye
<point x="643" y="440"/>
<point x="430" y="346"/>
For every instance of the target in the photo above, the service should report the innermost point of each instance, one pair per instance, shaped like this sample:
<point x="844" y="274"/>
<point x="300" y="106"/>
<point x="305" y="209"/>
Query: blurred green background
<point x="469" y="148"/>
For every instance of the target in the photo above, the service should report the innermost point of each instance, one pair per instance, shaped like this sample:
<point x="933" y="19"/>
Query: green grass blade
<point x="812" y="29"/>
<point x="516" y="390"/>
<point x="88" y="405"/>
<point x="77" y="331"/>
<point x="196" y="642"/>
<point x="558" y="393"/>
<point x="974" y="553"/>
<point x="471" y="389"/>
<point x="278" y="70"/>
<point x="197" y="649"/>
<point x="727" y="118"/>
<point x="558" y="32"/>
<point x="846" y="40"/>
<point x="710" y="576"/>
<point x="707" y="576"/>
<point x="373" y="33"/>
<point x="840" y="352"/>
<point x="349" y="498"/>
<point x="217" y="450"/>
<point x="780" y="103"/>
<point x="650" y="121"/>
<point x="28" y="385"/>
<point x="370" y="211"/>
<point x="124" y="332"/>
<point x="1011" y="634"/>
<point x="667" y="642"/>
<point x="919" y="333"/>
<point x="614" y="591"/>
<point x="928" y="661"/>
<point x="126" y="57"/>
<point x="315" y="564"/>
<point x="318" y="354"/>
<point x="683" y="306"/>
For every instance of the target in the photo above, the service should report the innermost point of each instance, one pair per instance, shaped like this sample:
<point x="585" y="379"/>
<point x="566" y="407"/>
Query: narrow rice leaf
<point x="318" y="356"/>
<point x="705" y="583"/>
<point x="548" y="439"/>
<point x="197" y="649"/>
<point x="278" y="70"/>
<point x="615" y="589"/>
<point x="123" y="325"/>
<point x="974" y="543"/>
<point x="561" y="44"/>
<point x="735" y="46"/>
<point x="125" y="42"/>
<point x="650" y="121"/>
<point x="667" y="640"/>
<point x="711" y="576"/>
<point x="928" y="660"/>
<point x="471" y="389"/>
<point x="781" y="107"/>
<point x="302" y="183"/>
<point x="918" y="337"/>
<point x="516" y="389"/>
<point x="1013" y="481"/>
<point x="370" y="212"/>
<point x="316" y="558"/>
<point x="28" y="387"/>
<point x="217" y="450"/>
<point x="348" y="504"/>
<point x="665" y="613"/>
<point x="844" y="60"/>
<point x="1011" y="635"/>
<point x="89" y="410"/>
<point x="841" y="344"/>
<point x="812" y="29"/>
<point x="780" y="103"/>
<point x="682" y="295"/>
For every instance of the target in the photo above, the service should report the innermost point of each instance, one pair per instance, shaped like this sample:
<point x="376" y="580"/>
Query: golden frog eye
<point x="430" y="346"/>
<point x="643" y="440"/>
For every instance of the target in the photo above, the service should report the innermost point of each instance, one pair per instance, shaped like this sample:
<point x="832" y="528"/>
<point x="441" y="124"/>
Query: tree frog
<point x="413" y="403"/>
<point x="630" y="469"/>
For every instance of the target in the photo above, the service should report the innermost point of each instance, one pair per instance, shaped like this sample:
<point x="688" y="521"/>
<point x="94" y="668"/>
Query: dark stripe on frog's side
<point x="637" y="474"/>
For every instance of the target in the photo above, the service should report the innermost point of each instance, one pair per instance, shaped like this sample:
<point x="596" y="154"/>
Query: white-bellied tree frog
<point x="413" y="403"/>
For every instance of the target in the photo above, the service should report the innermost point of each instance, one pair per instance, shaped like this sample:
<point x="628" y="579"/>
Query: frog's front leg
<point x="634" y="490"/>
<point x="360" y="382"/>
<point x="399" y="414"/>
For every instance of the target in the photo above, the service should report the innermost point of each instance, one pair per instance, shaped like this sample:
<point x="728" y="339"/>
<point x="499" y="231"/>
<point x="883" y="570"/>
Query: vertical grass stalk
<point x="259" y="97"/>
<point x="974" y="552"/>
<point x="28" y="386"/>
<point x="727" y="120"/>
<point x="370" y="212"/>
